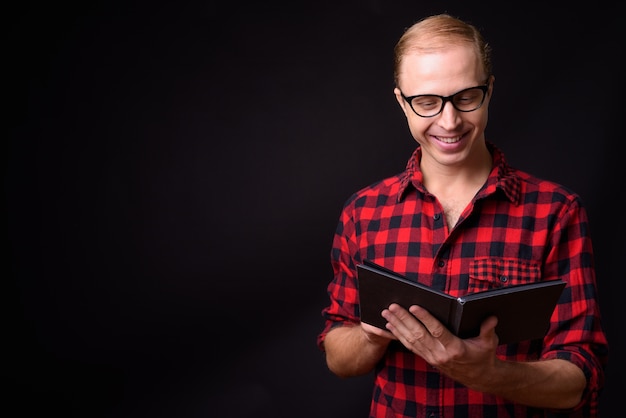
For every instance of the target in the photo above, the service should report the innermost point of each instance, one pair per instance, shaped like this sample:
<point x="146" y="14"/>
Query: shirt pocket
<point x="491" y="273"/>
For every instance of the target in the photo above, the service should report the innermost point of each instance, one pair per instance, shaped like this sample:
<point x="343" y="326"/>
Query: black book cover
<point x="523" y="311"/>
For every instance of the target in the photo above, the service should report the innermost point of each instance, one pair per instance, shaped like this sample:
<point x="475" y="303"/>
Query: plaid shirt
<point x="517" y="229"/>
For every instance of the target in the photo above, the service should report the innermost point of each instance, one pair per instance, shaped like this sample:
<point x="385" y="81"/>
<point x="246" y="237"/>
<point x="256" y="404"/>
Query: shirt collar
<point x="502" y="176"/>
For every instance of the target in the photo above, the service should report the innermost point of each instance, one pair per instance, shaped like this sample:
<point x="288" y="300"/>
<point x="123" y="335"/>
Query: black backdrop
<point x="174" y="174"/>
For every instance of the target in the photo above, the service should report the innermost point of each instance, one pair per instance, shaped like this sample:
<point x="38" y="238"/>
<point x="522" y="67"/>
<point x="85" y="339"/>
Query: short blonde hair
<point x="439" y="31"/>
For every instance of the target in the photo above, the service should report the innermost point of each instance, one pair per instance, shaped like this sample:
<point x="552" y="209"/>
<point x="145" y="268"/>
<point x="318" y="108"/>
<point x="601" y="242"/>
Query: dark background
<point x="173" y="175"/>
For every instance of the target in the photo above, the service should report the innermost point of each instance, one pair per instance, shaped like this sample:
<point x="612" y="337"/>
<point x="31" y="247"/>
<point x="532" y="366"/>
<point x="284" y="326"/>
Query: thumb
<point x="488" y="327"/>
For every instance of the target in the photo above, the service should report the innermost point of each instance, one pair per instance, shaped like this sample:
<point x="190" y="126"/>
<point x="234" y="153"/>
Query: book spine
<point x="456" y="313"/>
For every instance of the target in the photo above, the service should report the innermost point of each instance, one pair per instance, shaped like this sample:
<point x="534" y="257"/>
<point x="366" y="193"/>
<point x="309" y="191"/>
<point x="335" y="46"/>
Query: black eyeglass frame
<point x="445" y="99"/>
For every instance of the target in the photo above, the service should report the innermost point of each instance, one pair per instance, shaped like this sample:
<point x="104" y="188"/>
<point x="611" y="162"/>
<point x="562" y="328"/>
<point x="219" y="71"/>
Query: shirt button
<point x="437" y="216"/>
<point x="441" y="263"/>
<point x="504" y="279"/>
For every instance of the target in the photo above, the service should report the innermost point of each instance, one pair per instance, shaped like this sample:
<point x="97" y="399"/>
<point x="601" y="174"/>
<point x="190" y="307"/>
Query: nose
<point x="449" y="117"/>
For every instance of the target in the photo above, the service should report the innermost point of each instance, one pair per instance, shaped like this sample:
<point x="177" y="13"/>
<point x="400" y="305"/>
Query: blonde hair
<point x="439" y="31"/>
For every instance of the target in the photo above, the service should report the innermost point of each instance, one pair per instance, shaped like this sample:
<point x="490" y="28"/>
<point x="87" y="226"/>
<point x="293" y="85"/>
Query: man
<point x="458" y="219"/>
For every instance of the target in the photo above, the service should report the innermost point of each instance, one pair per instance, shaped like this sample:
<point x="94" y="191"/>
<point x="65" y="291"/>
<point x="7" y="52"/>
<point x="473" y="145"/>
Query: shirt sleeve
<point x="576" y="333"/>
<point x="343" y="308"/>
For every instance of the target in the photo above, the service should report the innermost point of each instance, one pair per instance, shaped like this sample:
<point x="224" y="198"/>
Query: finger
<point x="488" y="327"/>
<point x="434" y="327"/>
<point x="399" y="317"/>
<point x="374" y="333"/>
<point x="404" y="325"/>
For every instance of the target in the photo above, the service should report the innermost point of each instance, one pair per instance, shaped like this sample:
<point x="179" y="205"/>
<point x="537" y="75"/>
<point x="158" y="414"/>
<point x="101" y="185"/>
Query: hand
<point x="468" y="361"/>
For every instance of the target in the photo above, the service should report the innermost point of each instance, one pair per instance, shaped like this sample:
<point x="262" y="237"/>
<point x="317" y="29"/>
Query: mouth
<point x="451" y="140"/>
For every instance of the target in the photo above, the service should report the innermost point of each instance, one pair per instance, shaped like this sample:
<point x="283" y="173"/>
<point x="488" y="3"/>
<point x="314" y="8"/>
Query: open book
<point x="523" y="310"/>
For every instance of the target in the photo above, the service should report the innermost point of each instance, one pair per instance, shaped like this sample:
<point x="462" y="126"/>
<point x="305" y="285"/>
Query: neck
<point x="470" y="175"/>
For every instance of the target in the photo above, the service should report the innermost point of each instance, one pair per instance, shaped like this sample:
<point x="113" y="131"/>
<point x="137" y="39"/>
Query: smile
<point x="449" y="140"/>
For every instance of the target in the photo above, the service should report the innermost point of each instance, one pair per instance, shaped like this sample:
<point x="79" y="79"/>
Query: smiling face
<point x="452" y="138"/>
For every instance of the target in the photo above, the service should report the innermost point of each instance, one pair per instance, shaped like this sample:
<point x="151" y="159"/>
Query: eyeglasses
<point x="429" y="105"/>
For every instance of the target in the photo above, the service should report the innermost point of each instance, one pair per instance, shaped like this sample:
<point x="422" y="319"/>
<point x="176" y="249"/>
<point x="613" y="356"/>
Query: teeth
<point x="449" y="140"/>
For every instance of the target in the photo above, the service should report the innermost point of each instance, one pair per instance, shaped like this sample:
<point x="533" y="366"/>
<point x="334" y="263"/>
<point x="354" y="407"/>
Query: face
<point x="452" y="138"/>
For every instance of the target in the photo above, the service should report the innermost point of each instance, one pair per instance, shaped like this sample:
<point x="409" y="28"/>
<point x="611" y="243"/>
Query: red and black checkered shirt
<point x="517" y="226"/>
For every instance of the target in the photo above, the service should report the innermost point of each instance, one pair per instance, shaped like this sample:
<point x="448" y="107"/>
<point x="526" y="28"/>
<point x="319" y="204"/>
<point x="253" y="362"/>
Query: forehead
<point x="442" y="71"/>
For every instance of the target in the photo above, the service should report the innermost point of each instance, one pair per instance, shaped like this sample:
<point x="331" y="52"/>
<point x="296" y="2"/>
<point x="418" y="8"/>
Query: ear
<point x="492" y="80"/>
<point x="403" y="104"/>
